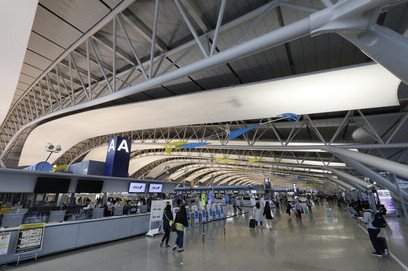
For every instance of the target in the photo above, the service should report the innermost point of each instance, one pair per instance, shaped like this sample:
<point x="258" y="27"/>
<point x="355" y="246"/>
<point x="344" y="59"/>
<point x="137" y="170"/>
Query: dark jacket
<point x="181" y="218"/>
<point x="167" y="215"/>
<point x="267" y="212"/>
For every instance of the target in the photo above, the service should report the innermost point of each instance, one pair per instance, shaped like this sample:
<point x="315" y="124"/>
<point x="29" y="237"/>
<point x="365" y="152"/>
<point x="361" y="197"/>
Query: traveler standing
<point x="167" y="221"/>
<point x="257" y="214"/>
<point x="236" y="206"/>
<point x="368" y="218"/>
<point x="288" y="208"/>
<point x="267" y="212"/>
<point x="298" y="209"/>
<point x="181" y="224"/>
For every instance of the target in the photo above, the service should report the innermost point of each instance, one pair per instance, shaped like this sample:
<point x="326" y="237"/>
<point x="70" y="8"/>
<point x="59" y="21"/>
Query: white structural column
<point x="16" y="21"/>
<point x="377" y="162"/>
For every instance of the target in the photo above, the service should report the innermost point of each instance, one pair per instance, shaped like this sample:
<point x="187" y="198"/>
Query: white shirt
<point x="368" y="218"/>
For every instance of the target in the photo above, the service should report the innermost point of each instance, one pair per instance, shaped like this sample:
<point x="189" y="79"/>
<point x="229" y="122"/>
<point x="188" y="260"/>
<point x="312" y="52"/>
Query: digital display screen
<point x="137" y="187"/>
<point x="253" y="192"/>
<point x="89" y="186"/>
<point x="155" y="188"/>
<point x="51" y="185"/>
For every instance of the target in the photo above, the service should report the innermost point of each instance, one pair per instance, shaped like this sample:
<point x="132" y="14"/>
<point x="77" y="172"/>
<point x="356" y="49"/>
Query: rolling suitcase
<point x="252" y="223"/>
<point x="383" y="244"/>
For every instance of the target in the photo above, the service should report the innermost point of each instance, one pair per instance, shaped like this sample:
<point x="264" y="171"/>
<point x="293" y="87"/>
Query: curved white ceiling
<point x="16" y="21"/>
<point x="368" y="86"/>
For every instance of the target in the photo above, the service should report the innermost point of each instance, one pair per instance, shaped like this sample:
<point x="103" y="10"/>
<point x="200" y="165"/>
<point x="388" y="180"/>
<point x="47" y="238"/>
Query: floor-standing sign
<point x="217" y="212"/>
<point x="196" y="215"/>
<point x="203" y="215"/>
<point x="222" y="215"/>
<point x="30" y="239"/>
<point x="4" y="242"/>
<point x="156" y="216"/>
<point x="210" y="213"/>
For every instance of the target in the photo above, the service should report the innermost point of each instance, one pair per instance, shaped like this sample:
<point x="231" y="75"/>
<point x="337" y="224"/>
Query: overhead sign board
<point x="117" y="157"/>
<point x="137" y="187"/>
<point x="155" y="188"/>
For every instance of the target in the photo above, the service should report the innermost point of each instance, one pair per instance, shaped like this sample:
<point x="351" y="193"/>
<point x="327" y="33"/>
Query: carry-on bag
<point x="252" y="223"/>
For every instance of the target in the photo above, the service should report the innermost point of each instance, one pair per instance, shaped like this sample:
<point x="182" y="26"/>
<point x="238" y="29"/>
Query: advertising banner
<point x="156" y="216"/>
<point x="4" y="242"/>
<point x="30" y="238"/>
<point x="385" y="198"/>
<point x="117" y="157"/>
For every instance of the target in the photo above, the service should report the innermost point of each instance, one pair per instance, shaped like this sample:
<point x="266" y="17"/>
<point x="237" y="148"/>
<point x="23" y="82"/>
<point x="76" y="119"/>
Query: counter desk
<point x="70" y="235"/>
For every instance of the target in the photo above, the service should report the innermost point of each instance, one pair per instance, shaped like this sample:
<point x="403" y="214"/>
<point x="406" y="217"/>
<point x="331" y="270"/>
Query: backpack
<point x="378" y="220"/>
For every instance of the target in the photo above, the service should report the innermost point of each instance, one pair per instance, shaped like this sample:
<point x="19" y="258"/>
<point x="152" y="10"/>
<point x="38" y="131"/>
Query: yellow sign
<point x="174" y="146"/>
<point x="224" y="160"/>
<point x="254" y="160"/>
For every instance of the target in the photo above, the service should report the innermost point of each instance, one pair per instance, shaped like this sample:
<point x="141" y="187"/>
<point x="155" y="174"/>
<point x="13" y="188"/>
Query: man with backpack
<point x="374" y="222"/>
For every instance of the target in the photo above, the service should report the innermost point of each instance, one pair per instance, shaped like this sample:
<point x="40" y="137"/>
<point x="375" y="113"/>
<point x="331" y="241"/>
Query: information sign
<point x="385" y="198"/>
<point x="30" y="238"/>
<point x="4" y="242"/>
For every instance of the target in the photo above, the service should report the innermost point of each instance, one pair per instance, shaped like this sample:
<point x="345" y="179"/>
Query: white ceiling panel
<point x="55" y="29"/>
<point x="81" y="14"/>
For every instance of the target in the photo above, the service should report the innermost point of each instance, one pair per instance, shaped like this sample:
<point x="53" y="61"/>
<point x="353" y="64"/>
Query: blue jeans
<point x="179" y="240"/>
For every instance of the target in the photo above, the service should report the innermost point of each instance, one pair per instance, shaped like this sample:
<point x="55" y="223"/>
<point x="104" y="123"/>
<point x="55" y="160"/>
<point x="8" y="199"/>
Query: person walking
<point x="267" y="212"/>
<point x="257" y="214"/>
<point x="167" y="222"/>
<point x="368" y="217"/>
<point x="181" y="223"/>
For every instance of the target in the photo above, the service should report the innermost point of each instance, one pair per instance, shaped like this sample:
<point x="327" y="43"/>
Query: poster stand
<point x="30" y="240"/>
<point x="156" y="215"/>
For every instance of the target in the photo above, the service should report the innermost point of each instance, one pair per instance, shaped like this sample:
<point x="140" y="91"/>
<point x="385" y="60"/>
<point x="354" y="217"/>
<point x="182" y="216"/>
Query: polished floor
<point x="320" y="242"/>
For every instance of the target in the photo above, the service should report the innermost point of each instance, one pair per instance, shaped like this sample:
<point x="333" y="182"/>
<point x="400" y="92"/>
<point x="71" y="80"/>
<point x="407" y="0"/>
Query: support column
<point x="350" y="179"/>
<point x="370" y="160"/>
<point x="373" y="175"/>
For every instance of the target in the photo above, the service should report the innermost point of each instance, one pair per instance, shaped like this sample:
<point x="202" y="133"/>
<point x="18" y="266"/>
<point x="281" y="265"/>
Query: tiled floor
<point x="318" y="243"/>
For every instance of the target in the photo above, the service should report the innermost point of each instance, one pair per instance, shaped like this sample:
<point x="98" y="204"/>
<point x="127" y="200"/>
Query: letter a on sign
<point x="123" y="145"/>
<point x="112" y="145"/>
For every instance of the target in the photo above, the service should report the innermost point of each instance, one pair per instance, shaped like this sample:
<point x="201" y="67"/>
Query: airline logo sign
<point x="137" y="187"/>
<point x="117" y="157"/>
<point x="155" y="188"/>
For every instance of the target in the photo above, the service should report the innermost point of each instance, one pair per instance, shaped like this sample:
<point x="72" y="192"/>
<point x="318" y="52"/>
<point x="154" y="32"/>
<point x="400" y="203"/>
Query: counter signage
<point x="30" y="238"/>
<point x="155" y="188"/>
<point x="4" y="242"/>
<point x="137" y="187"/>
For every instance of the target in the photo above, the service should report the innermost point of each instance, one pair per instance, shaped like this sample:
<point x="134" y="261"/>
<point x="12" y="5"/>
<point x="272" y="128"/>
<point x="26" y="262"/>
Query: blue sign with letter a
<point x="117" y="157"/>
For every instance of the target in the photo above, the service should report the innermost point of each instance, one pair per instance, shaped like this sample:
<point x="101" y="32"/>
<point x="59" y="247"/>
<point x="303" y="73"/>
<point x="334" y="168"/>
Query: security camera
<point x="58" y="148"/>
<point x="49" y="147"/>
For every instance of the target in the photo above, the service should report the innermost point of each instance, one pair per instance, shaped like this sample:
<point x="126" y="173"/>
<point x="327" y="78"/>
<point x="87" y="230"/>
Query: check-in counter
<point x="70" y="235"/>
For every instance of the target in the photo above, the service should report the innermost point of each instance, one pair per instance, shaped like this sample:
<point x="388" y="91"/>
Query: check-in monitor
<point x="137" y="187"/>
<point x="89" y="186"/>
<point x="51" y="185"/>
<point x="155" y="188"/>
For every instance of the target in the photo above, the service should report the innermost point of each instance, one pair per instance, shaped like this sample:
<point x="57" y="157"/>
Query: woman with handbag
<point x="167" y="222"/>
<point x="180" y="224"/>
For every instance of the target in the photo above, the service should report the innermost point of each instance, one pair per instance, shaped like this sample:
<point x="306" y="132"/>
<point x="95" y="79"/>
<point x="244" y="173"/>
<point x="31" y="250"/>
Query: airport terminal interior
<point x="204" y="135"/>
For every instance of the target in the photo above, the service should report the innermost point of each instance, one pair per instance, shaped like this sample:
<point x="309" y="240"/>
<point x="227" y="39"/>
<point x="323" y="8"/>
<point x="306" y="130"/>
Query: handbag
<point x="170" y="221"/>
